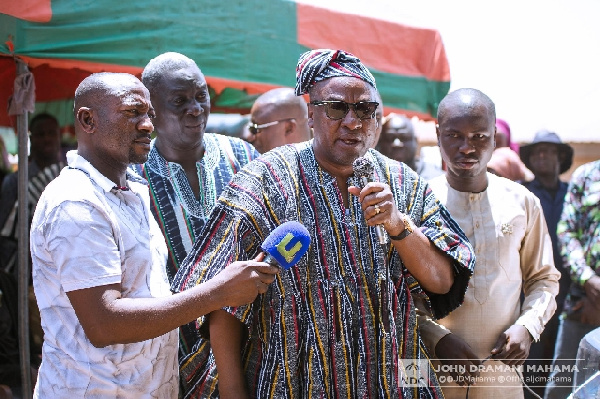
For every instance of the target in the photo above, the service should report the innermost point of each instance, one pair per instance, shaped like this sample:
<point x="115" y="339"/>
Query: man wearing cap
<point x="341" y="322"/>
<point x="278" y="117"/>
<point x="548" y="157"/>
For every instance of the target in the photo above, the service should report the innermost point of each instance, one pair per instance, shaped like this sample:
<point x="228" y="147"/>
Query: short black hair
<point x="477" y="97"/>
<point x="161" y="64"/>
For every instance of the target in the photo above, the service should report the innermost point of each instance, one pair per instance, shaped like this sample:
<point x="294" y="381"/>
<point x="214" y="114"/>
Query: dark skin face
<point x="45" y="142"/>
<point x="545" y="161"/>
<point x="115" y="131"/>
<point x="466" y="138"/>
<point x="398" y="141"/>
<point x="182" y="103"/>
<point x="337" y="143"/>
<point x="271" y="136"/>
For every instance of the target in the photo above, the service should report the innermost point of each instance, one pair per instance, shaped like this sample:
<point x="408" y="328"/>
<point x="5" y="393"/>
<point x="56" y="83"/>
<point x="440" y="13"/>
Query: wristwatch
<point x="408" y="229"/>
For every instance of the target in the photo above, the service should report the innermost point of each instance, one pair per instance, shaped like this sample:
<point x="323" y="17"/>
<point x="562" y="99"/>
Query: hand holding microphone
<point x="365" y="173"/>
<point x="286" y="244"/>
<point x="240" y="282"/>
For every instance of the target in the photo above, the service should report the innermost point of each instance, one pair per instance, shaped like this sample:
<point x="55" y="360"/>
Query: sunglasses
<point x="255" y="129"/>
<point x="339" y="109"/>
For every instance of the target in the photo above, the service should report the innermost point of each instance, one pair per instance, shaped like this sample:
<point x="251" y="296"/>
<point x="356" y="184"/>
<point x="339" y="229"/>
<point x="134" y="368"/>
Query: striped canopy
<point x="243" y="47"/>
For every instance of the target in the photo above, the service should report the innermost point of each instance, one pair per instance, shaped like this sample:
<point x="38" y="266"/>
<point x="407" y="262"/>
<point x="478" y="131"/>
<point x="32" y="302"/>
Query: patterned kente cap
<point x="316" y="65"/>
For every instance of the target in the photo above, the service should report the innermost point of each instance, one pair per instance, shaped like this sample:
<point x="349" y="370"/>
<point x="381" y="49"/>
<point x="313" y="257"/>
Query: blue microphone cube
<point x="287" y="243"/>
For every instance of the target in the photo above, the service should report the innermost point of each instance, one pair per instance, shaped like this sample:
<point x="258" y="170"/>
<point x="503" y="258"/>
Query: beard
<point x="136" y="157"/>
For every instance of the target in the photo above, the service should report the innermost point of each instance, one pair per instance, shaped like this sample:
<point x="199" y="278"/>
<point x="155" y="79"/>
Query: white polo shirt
<point x="85" y="233"/>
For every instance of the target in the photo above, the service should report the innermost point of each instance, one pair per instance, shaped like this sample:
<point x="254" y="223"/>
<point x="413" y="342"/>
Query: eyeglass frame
<point x="348" y="106"/>
<point x="258" y="128"/>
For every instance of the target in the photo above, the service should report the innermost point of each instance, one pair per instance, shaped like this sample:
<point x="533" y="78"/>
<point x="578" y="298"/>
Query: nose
<point x="146" y="125"/>
<point x="195" y="108"/>
<point x="466" y="147"/>
<point x="351" y="120"/>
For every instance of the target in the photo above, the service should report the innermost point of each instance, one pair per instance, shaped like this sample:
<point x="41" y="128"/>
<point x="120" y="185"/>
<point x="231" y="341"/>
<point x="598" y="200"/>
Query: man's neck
<point x="187" y="158"/>
<point x="115" y="172"/>
<point x="475" y="184"/>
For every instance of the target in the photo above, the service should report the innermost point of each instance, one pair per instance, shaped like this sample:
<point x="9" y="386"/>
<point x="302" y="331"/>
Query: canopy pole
<point x="23" y="247"/>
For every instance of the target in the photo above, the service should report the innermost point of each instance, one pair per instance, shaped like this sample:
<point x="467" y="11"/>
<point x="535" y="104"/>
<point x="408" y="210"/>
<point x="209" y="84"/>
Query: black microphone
<point x="364" y="172"/>
<point x="286" y="244"/>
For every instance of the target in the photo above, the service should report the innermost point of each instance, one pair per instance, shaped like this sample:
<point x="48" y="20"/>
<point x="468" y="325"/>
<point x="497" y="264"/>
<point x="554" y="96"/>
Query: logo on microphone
<point x="285" y="243"/>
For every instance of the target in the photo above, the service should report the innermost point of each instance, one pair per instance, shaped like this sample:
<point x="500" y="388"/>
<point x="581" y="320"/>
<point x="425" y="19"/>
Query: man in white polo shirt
<point x="109" y="319"/>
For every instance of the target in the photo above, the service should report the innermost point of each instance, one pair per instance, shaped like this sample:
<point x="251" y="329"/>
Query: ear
<point x="437" y="133"/>
<point x="85" y="117"/>
<point x="310" y="116"/>
<point x="290" y="127"/>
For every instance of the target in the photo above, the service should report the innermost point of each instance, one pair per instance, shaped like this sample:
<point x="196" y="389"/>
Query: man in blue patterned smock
<point x="341" y="323"/>
<point x="186" y="170"/>
<point x="110" y="321"/>
<point x="579" y="242"/>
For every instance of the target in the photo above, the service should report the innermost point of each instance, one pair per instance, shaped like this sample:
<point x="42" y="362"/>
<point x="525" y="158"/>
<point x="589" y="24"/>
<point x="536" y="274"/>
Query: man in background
<point x="44" y="165"/>
<point x="44" y="152"/>
<point x="399" y="142"/>
<point x="548" y="157"/>
<point x="187" y="169"/>
<point x="278" y="117"/>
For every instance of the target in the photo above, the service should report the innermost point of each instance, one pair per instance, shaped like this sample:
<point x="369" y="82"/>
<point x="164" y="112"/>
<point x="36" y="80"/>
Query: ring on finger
<point x="377" y="210"/>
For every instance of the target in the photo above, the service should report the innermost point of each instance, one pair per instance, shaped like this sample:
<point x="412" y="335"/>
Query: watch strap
<point x="405" y="233"/>
<point x="408" y="229"/>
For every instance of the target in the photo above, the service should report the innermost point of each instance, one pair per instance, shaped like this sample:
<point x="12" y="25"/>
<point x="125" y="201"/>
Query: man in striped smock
<point x="186" y="170"/>
<point x="341" y="322"/>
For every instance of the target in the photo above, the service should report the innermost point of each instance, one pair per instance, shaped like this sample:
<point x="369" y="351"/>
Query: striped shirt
<point x="340" y="322"/>
<point x="181" y="216"/>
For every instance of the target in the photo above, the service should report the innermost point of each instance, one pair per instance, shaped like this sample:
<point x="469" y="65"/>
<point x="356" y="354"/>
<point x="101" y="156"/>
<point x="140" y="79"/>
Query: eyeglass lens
<point x="339" y="109"/>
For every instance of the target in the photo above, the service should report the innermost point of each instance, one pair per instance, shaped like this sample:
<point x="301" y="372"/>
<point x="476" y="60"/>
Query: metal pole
<point x="23" y="251"/>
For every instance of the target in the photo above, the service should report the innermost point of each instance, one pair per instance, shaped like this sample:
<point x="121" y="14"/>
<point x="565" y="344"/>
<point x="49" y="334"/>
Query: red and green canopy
<point x="243" y="47"/>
